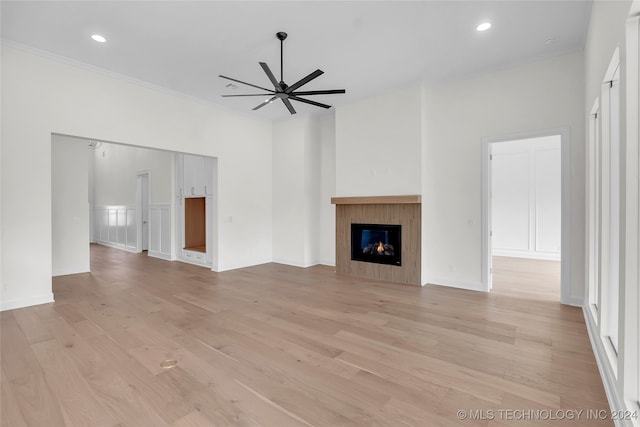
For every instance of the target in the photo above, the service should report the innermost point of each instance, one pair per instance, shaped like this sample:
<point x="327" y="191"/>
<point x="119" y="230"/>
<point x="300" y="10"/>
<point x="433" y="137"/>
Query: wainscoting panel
<point x="116" y="226"/>
<point x="102" y="225"/>
<point x="112" y="225"/>
<point x="131" y="235"/>
<point x="406" y="214"/>
<point x="160" y="231"/>
<point x="122" y="226"/>
<point x="526" y="199"/>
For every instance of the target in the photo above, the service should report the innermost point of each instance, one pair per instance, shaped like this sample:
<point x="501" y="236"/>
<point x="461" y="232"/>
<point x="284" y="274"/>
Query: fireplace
<point x="376" y="243"/>
<point x="404" y="213"/>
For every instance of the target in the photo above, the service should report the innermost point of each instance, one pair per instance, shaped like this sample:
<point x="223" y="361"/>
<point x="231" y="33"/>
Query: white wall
<point x="533" y="97"/>
<point x="525" y="198"/>
<point x="289" y="202"/>
<point x="327" y="226"/>
<point x="42" y="96"/>
<point x="312" y="185"/>
<point x="298" y="213"/>
<point x="115" y="169"/>
<point x="70" y="207"/>
<point x="378" y="145"/>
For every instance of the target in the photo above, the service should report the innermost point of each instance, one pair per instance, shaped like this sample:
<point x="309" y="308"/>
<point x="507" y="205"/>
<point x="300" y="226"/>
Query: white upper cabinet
<point x="197" y="175"/>
<point x="208" y="175"/>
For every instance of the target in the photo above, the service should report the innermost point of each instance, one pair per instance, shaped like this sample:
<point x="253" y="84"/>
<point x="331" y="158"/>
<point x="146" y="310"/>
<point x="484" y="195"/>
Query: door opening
<point x="525" y="215"/>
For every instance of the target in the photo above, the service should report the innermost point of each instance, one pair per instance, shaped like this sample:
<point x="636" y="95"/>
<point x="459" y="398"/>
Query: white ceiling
<point x="365" y="47"/>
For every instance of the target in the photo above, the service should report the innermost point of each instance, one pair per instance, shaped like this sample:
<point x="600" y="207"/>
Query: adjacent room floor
<point x="532" y="279"/>
<point x="275" y="345"/>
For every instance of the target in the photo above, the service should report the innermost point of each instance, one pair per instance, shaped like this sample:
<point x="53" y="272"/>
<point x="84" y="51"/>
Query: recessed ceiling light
<point x="98" y="38"/>
<point x="484" y="26"/>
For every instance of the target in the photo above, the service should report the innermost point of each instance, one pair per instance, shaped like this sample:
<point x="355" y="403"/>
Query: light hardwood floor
<point x="274" y="345"/>
<point x="532" y="279"/>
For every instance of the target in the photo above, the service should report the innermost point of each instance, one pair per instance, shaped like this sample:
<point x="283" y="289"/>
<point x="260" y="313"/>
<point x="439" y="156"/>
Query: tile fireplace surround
<point x="403" y="210"/>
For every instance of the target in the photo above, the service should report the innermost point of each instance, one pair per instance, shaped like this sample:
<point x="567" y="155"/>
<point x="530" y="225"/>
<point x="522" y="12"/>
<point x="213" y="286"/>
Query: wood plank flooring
<point x="532" y="279"/>
<point x="275" y="345"/>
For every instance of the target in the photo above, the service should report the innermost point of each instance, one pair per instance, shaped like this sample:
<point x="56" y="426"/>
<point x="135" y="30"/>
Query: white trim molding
<point x="550" y="256"/>
<point x="630" y="287"/>
<point x="609" y="382"/>
<point x="70" y="270"/>
<point x="470" y="286"/>
<point x="13" y="304"/>
<point x="128" y="79"/>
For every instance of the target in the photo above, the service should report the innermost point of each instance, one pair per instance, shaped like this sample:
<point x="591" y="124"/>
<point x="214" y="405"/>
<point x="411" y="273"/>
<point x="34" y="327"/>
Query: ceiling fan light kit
<point x="281" y="90"/>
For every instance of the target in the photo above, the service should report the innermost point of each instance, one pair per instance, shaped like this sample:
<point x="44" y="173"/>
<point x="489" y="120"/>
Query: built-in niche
<point x="195" y="227"/>
<point x="195" y="224"/>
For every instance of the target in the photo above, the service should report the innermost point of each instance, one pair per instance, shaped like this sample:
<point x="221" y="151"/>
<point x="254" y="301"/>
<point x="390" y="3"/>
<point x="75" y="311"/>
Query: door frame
<point x="139" y="207"/>
<point x="565" y="207"/>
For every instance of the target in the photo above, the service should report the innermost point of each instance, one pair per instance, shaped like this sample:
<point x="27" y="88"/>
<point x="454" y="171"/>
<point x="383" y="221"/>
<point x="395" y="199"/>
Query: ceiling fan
<point x="281" y="90"/>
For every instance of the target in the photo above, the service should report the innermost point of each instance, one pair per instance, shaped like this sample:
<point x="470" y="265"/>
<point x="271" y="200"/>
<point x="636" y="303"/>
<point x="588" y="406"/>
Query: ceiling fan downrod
<point x="281" y="35"/>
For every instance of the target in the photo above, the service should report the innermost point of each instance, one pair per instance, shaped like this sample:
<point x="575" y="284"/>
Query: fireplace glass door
<point x="377" y="243"/>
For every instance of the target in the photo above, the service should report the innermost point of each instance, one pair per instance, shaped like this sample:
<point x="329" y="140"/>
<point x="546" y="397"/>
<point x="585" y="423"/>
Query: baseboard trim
<point x="188" y="261"/>
<point x="160" y="255"/>
<point x="548" y="256"/>
<point x="67" y="271"/>
<point x="439" y="281"/>
<point x="574" y="301"/>
<point x="26" y="302"/>
<point x="291" y="263"/>
<point x="608" y="379"/>
<point x="121" y="247"/>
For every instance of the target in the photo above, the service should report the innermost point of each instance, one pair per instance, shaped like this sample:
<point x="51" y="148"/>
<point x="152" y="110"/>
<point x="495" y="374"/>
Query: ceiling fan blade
<point x="269" y="74"/>
<point x="304" y="81"/>
<point x="319" y="92"/>
<point x="268" y="101"/>
<point x="286" y="102"/>
<point x="251" y="94"/>
<point x="306" y="101"/>
<point x="245" y="83"/>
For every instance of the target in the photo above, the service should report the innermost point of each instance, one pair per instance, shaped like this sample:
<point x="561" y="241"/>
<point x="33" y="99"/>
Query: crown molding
<point x="117" y="76"/>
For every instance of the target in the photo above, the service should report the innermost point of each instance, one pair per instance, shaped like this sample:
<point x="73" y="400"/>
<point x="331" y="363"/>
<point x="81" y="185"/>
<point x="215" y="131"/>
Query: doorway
<point x="525" y="213"/>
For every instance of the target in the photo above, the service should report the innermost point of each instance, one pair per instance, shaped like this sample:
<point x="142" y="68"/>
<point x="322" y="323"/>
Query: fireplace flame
<point x="380" y="248"/>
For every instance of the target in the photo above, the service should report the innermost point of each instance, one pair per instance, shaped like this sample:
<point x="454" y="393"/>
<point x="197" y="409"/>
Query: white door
<point x="145" y="212"/>
<point x="142" y="205"/>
